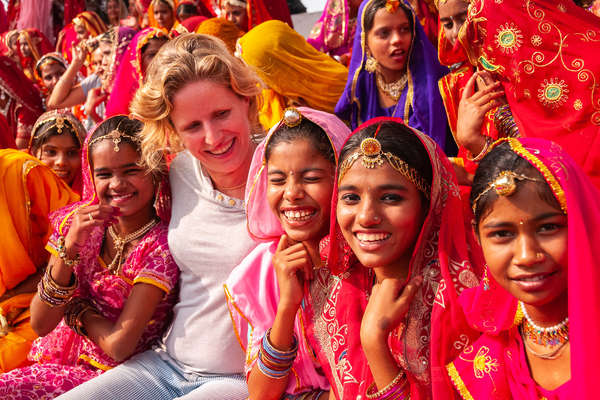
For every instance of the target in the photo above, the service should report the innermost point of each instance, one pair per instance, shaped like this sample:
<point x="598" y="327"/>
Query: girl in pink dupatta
<point x="141" y="50"/>
<point x="397" y="258"/>
<point x="111" y="275"/>
<point x="261" y="287"/>
<point x="537" y="216"/>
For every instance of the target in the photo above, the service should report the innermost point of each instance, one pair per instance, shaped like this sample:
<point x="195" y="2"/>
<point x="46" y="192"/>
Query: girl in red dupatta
<point x="32" y="46"/>
<point x="85" y="25"/>
<point x="397" y="257"/>
<point x="20" y="103"/>
<point x="537" y="216"/>
<point x="246" y="14"/>
<point x="545" y="53"/>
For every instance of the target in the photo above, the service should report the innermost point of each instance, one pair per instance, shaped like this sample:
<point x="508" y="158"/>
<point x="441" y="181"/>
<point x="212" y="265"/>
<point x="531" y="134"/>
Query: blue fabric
<point x="149" y="376"/>
<point x="360" y="102"/>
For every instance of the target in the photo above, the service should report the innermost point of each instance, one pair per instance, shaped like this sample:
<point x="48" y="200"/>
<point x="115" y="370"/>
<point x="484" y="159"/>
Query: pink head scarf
<point x="494" y="310"/>
<point x="263" y="225"/>
<point x="441" y="256"/>
<point x="130" y="75"/>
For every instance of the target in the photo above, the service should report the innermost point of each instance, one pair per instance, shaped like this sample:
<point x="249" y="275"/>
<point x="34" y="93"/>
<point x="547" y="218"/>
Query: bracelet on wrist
<point x="62" y="253"/>
<point x="54" y="294"/>
<point x="74" y="315"/>
<point x="483" y="152"/>
<point x="273" y="362"/>
<point x="396" y="389"/>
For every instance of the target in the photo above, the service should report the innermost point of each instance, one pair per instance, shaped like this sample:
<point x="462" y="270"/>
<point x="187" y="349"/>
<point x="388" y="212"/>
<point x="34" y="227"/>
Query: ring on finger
<point x="90" y="217"/>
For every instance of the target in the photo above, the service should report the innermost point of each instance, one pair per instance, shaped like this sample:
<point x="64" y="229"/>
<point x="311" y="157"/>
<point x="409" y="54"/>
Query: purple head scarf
<point x="420" y="104"/>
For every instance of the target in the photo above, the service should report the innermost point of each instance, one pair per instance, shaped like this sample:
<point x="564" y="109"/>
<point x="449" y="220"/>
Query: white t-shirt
<point x="207" y="238"/>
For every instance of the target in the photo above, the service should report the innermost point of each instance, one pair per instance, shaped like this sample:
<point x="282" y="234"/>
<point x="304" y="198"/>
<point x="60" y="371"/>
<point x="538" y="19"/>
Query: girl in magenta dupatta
<point x="440" y="256"/>
<point x="68" y="356"/>
<point x="334" y="31"/>
<point x="131" y="70"/>
<point x="495" y="366"/>
<point x="252" y="290"/>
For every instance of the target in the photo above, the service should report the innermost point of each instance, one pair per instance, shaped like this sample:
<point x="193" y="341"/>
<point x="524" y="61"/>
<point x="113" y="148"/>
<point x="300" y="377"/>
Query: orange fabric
<point x="29" y="191"/>
<point x="256" y="10"/>
<point x="225" y="30"/>
<point x="153" y="23"/>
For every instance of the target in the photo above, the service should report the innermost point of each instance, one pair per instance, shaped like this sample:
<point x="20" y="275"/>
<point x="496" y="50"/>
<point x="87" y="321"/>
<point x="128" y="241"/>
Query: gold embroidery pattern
<point x="577" y="105"/>
<point x="509" y="38"/>
<point x="483" y="363"/>
<point x="574" y="65"/>
<point x="536" y="40"/>
<point x="458" y="382"/>
<point x="553" y="93"/>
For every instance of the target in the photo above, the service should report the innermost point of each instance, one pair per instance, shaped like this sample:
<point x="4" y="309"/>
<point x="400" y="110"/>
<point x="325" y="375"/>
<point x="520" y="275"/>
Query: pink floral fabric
<point x="66" y="359"/>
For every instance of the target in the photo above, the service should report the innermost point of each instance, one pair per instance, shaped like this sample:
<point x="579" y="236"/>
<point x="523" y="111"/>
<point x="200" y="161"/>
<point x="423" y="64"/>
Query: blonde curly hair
<point x="186" y="59"/>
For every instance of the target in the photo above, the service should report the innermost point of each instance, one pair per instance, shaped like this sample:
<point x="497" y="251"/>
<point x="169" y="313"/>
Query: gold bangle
<point x="483" y="152"/>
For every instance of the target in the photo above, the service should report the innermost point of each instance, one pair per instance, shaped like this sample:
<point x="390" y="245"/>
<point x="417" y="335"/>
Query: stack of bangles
<point x="275" y="363"/>
<point x="505" y="122"/>
<point x="397" y="389"/>
<point x="74" y="315"/>
<point x="484" y="151"/>
<point x="53" y="294"/>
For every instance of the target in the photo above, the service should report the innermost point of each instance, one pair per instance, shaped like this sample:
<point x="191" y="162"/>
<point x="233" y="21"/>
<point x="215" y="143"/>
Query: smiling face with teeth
<point x="213" y="124"/>
<point x="524" y="241"/>
<point x="120" y="182"/>
<point x="389" y="41"/>
<point x="380" y="213"/>
<point x="299" y="188"/>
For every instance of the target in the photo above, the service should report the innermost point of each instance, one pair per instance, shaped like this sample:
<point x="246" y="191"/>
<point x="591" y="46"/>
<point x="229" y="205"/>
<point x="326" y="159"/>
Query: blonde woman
<point x="201" y="103"/>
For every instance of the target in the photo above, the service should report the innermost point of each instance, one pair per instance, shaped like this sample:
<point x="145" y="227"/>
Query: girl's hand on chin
<point x="387" y="307"/>
<point x="293" y="265"/>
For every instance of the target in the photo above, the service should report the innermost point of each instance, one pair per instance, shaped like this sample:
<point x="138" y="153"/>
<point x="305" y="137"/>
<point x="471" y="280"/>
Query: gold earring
<point x="370" y="64"/>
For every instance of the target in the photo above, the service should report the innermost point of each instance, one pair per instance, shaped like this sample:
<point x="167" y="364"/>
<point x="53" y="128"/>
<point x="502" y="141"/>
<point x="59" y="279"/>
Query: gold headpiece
<point x="291" y="117"/>
<point x="60" y="120"/>
<point x="505" y="185"/>
<point x="116" y="136"/>
<point x="372" y="156"/>
<point x="392" y="6"/>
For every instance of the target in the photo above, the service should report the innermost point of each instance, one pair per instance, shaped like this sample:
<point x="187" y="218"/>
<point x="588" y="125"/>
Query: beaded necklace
<point x="551" y="336"/>
<point x="392" y="89"/>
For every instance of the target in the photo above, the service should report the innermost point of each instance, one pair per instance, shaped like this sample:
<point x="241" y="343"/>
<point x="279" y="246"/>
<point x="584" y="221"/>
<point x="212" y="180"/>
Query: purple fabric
<point x="360" y="101"/>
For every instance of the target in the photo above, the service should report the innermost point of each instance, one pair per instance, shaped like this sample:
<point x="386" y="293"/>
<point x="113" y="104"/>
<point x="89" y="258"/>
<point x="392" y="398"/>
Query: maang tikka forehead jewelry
<point x="505" y="184"/>
<point x="116" y="136"/>
<point x="371" y="156"/>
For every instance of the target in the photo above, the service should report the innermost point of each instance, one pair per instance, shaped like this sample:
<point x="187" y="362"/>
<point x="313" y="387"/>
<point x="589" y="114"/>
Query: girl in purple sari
<point x="393" y="71"/>
<point x="107" y="292"/>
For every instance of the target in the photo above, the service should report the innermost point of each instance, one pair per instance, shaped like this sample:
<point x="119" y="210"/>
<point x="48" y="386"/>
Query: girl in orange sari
<point x="32" y="45"/>
<point x="29" y="191"/>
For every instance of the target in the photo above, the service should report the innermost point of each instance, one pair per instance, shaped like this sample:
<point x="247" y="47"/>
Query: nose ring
<point x="539" y="256"/>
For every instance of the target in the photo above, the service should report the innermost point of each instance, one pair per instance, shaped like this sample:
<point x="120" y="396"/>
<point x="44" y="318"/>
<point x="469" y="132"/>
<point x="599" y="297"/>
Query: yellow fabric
<point x="293" y="68"/>
<point x="225" y="30"/>
<point x="152" y="21"/>
<point x="271" y="112"/>
<point x="29" y="191"/>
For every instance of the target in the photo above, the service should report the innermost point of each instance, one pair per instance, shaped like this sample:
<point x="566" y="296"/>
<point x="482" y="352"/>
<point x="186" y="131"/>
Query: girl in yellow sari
<point x="29" y="191"/>
<point x="294" y="72"/>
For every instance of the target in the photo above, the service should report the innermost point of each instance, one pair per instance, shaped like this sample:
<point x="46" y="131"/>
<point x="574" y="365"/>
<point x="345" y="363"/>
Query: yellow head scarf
<point x="291" y="67"/>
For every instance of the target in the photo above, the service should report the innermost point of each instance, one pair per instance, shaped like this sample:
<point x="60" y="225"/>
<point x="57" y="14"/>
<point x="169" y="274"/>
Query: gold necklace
<point x="241" y="185"/>
<point x="120" y="242"/>
<point x="394" y="89"/>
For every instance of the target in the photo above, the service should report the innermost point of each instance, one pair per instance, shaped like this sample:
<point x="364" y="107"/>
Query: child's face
<point x="62" y="154"/>
<point x="524" y="241"/>
<point x="119" y="180"/>
<point x="300" y="184"/>
<point x="380" y="214"/>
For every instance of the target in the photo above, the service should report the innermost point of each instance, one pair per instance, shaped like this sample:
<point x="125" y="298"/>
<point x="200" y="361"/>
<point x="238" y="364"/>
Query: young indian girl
<point x="536" y="217"/>
<point x="107" y="291"/>
<point x="56" y="140"/>
<point x="393" y="71"/>
<point x="288" y="203"/>
<point x="398" y="256"/>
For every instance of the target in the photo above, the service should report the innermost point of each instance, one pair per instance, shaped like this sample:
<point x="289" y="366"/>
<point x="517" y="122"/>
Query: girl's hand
<point x="79" y="52"/>
<point x="472" y="109"/>
<point x="84" y="221"/>
<point x="387" y="306"/>
<point x="293" y="265"/>
<point x="94" y="98"/>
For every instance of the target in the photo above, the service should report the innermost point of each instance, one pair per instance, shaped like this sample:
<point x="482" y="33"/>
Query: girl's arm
<point x="119" y="339"/>
<point x="293" y="264"/>
<point x="387" y="306"/>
